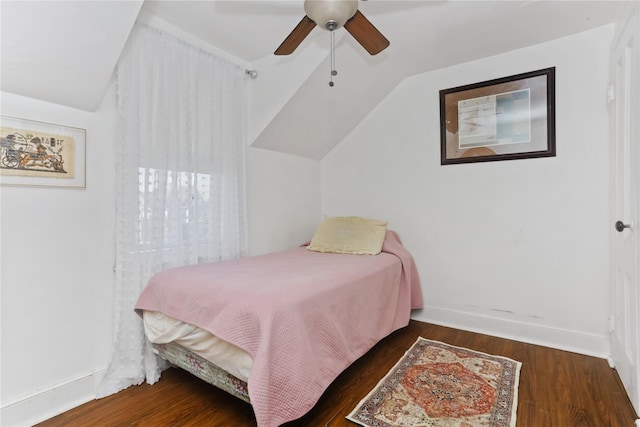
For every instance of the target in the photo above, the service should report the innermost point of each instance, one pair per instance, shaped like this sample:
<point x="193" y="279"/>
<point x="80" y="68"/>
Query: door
<point x="625" y="228"/>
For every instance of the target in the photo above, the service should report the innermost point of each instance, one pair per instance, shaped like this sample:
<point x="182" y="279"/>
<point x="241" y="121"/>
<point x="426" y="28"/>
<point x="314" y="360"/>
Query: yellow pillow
<point x="349" y="235"/>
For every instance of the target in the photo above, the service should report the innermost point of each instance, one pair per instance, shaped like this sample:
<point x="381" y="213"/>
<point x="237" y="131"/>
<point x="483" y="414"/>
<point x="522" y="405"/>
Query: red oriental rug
<point x="436" y="384"/>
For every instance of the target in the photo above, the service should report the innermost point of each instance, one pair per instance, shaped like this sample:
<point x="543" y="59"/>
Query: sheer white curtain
<point x="180" y="178"/>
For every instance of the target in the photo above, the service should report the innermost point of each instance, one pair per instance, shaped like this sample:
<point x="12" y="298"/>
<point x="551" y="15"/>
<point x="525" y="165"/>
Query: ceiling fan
<point x="331" y="15"/>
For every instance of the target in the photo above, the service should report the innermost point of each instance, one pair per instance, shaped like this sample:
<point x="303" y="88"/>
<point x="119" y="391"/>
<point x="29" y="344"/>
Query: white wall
<point x="57" y="271"/>
<point x="513" y="248"/>
<point x="58" y="252"/>
<point x="283" y="200"/>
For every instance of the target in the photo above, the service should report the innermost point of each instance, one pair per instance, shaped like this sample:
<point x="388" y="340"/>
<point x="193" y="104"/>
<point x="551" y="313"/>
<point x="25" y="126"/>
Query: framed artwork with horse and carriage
<point x="41" y="154"/>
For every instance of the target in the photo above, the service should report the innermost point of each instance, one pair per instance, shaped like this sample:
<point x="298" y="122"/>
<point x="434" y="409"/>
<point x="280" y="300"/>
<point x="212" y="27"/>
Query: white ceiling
<point x="253" y="29"/>
<point x="65" y="51"/>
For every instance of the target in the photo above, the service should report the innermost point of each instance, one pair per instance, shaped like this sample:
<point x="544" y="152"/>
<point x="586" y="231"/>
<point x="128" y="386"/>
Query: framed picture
<point x="41" y="154"/>
<point x="502" y="119"/>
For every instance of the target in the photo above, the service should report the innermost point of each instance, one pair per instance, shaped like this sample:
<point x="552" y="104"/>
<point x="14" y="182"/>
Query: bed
<point x="275" y="330"/>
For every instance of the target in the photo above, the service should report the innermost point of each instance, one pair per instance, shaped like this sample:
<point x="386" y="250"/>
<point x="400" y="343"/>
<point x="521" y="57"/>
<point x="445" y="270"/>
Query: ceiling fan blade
<point x="366" y="34"/>
<point x="294" y="39"/>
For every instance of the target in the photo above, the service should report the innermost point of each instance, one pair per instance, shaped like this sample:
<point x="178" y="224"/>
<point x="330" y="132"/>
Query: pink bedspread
<point x="303" y="316"/>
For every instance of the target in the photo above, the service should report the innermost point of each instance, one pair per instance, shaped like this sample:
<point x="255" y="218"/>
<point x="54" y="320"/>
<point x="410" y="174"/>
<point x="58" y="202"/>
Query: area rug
<point x="436" y="385"/>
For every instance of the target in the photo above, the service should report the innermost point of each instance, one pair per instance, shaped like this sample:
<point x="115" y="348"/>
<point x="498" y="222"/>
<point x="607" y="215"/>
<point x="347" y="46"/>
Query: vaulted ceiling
<point x="65" y="52"/>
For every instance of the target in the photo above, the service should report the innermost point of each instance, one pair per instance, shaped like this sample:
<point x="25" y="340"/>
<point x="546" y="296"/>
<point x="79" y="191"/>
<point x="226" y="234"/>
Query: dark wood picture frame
<point x="501" y="119"/>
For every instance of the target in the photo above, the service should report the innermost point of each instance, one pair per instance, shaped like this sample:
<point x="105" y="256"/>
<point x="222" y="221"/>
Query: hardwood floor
<point x="557" y="389"/>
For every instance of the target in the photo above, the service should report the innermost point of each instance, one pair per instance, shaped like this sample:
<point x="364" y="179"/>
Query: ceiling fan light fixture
<point x="330" y="14"/>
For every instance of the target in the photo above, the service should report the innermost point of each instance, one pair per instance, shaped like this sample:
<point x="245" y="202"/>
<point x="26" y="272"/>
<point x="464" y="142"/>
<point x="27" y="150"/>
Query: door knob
<point x="620" y="226"/>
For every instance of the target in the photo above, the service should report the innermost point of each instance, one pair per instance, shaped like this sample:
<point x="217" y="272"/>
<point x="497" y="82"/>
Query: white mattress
<point x="162" y="329"/>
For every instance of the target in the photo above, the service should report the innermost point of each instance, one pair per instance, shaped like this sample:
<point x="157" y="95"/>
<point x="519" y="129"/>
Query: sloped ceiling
<point x="65" y="52"/>
<point x="425" y="36"/>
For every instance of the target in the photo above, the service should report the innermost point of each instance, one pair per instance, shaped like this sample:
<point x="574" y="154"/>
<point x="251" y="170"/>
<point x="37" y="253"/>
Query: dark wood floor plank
<point x="557" y="388"/>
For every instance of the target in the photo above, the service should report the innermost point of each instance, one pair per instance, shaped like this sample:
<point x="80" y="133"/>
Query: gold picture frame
<point x="502" y="119"/>
<point x="41" y="154"/>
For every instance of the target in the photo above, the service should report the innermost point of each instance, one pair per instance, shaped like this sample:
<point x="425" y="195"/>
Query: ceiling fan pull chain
<point x="333" y="58"/>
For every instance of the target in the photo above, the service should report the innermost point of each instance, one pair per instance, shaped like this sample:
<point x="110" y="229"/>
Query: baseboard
<point x="562" y="339"/>
<point x="52" y="401"/>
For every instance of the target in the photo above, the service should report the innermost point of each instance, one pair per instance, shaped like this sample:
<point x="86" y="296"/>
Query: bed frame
<point x="203" y="369"/>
